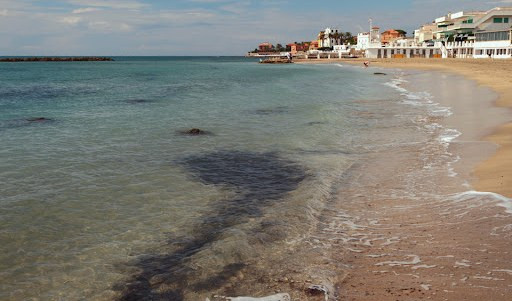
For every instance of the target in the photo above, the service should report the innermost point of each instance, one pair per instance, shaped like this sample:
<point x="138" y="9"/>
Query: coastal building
<point x="394" y="44"/>
<point x="375" y="37"/>
<point x="458" y="35"/>
<point x="493" y="34"/>
<point x="456" y="31"/>
<point x="390" y="35"/>
<point x="458" y="26"/>
<point x="363" y="41"/>
<point x="265" y="47"/>
<point x="342" y="50"/>
<point x="405" y="48"/>
<point x="296" y="48"/>
<point x="313" y="45"/>
<point x="425" y="33"/>
<point x="487" y="34"/>
<point x="329" y="37"/>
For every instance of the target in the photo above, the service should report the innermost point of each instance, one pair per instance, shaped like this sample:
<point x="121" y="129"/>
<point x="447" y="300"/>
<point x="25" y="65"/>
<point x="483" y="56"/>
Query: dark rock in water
<point x="315" y="123"/>
<point x="277" y="110"/>
<point x="39" y="119"/>
<point x="56" y="59"/>
<point x="379" y="73"/>
<point x="136" y="101"/>
<point x="23" y="122"/>
<point x="195" y="132"/>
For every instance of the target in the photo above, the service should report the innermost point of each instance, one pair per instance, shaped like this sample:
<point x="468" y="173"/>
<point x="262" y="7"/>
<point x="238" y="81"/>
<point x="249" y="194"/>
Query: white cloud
<point x="85" y="10"/>
<point x="107" y="27"/>
<point x="71" y="20"/>
<point x="114" y="4"/>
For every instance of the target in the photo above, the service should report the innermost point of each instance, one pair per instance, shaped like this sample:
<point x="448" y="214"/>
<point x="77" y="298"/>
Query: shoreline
<point x="421" y="247"/>
<point x="494" y="174"/>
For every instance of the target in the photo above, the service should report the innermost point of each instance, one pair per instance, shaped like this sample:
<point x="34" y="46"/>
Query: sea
<point x="105" y="194"/>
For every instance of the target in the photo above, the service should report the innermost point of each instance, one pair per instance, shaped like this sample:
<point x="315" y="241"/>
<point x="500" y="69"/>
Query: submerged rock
<point x="195" y="132"/>
<point x="379" y="73"/>
<point x="315" y="123"/>
<point x="277" y="110"/>
<point x="137" y="101"/>
<point x="39" y="119"/>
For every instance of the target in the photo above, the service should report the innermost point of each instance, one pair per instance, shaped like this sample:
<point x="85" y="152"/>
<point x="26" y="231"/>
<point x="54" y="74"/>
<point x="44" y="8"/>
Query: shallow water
<point x="107" y="188"/>
<point x="108" y="199"/>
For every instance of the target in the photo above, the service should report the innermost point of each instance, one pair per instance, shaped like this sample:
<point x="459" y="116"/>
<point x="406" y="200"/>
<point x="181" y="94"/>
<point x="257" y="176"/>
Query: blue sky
<point x="198" y="27"/>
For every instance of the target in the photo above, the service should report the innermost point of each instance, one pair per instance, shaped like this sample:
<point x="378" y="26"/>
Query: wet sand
<point x="495" y="173"/>
<point x="428" y="248"/>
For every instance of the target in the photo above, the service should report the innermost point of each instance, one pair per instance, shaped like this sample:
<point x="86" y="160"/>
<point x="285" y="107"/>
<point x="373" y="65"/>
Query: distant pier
<point x="56" y="59"/>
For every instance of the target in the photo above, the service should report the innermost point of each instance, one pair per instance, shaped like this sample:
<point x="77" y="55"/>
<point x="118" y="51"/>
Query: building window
<point x="493" y="36"/>
<point x="498" y="20"/>
<point x="505" y="20"/>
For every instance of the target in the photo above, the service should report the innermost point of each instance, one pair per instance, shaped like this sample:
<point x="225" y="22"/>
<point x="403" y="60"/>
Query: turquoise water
<point x="108" y="190"/>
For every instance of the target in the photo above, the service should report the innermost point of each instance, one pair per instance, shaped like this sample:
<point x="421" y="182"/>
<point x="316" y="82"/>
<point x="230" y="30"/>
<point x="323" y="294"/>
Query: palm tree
<point x="321" y="37"/>
<point x="349" y="37"/>
<point x="337" y="38"/>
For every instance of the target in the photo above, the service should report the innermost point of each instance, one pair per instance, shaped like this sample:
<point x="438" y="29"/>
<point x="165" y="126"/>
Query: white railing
<point x="465" y="44"/>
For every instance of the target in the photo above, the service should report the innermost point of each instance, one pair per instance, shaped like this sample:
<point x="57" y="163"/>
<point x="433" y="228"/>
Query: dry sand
<point x="435" y="250"/>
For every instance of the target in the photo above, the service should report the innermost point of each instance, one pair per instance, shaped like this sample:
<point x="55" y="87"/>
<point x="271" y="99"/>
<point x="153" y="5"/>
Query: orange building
<point x="294" y="48"/>
<point x="265" y="47"/>
<point x="313" y="45"/>
<point x="390" y="35"/>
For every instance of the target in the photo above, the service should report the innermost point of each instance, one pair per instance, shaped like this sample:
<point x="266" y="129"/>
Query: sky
<point x="199" y="27"/>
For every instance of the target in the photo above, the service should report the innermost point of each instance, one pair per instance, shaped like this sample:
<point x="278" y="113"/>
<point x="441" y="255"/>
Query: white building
<point x="363" y="41"/>
<point x="342" y="49"/>
<point x="406" y="49"/>
<point x="493" y="35"/>
<point x="458" y="26"/>
<point x="329" y="37"/>
<point x="460" y="35"/>
<point x="425" y="33"/>
<point x="375" y="36"/>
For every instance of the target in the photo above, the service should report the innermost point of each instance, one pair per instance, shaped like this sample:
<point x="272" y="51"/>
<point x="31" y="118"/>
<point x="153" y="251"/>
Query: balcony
<point x="465" y="44"/>
<point x="461" y="26"/>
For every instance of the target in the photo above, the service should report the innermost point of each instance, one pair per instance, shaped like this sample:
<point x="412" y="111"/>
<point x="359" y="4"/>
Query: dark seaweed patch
<point x="315" y="123"/>
<point x="323" y="152"/>
<point x="18" y="123"/>
<point x="259" y="179"/>
<point x="229" y="271"/>
<point x="272" y="111"/>
<point x="138" y="101"/>
<point x="39" y="119"/>
<point x="44" y="92"/>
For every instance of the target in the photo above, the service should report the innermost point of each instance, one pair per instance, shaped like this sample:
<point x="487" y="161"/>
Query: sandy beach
<point x="455" y="249"/>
